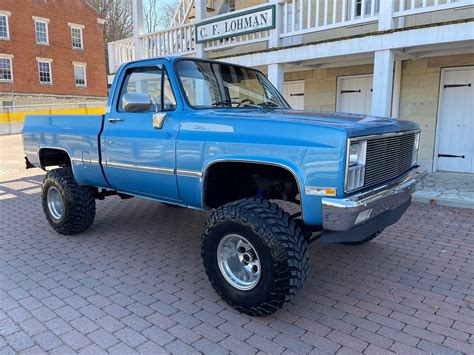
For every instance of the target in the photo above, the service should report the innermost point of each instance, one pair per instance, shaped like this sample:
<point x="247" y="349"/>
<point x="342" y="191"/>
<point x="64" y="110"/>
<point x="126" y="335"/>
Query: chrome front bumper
<point x="342" y="214"/>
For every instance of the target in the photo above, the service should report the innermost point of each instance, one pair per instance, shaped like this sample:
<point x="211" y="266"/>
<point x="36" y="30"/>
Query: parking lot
<point x="134" y="282"/>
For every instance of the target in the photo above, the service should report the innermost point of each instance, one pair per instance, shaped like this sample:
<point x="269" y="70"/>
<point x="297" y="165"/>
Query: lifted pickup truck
<point x="214" y="136"/>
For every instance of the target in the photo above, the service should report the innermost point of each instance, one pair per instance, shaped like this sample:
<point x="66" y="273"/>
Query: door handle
<point x="115" y="120"/>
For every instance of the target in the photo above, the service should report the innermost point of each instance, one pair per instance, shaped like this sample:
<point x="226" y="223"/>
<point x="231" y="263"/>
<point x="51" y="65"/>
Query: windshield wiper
<point x="235" y="102"/>
<point x="225" y="102"/>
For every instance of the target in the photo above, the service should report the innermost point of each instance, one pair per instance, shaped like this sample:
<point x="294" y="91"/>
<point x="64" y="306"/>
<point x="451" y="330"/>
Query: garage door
<point x="354" y="94"/>
<point x="294" y="94"/>
<point x="455" y="148"/>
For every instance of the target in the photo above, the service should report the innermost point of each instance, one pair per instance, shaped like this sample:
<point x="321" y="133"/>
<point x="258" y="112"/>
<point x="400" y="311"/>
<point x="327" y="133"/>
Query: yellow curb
<point x="20" y="116"/>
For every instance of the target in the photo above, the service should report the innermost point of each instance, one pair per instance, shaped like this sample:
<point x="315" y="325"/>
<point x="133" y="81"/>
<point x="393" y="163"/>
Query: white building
<point x="409" y="59"/>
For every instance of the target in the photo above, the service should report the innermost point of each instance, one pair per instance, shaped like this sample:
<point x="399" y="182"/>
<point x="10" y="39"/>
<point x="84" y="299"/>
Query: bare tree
<point x="159" y="14"/>
<point x="118" y="16"/>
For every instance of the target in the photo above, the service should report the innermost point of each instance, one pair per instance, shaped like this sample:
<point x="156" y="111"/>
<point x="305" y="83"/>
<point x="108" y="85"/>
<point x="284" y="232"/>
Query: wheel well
<point x="53" y="157"/>
<point x="229" y="181"/>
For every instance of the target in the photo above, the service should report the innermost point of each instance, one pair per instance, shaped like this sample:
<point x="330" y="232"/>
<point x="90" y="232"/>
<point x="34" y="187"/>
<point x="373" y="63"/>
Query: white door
<point x="455" y="146"/>
<point x="294" y="94"/>
<point x="354" y="94"/>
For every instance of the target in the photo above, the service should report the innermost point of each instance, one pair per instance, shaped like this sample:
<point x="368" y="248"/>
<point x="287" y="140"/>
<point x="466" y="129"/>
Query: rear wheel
<point x="254" y="255"/>
<point x="68" y="206"/>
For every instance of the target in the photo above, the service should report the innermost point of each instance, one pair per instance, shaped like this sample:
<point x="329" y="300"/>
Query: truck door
<point x="139" y="147"/>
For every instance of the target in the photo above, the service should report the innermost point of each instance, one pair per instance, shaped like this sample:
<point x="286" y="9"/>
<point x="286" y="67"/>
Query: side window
<point x="151" y="81"/>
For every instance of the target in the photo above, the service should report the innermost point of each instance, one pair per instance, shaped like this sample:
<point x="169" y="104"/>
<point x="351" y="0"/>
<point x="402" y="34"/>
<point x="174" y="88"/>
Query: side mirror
<point x="136" y="102"/>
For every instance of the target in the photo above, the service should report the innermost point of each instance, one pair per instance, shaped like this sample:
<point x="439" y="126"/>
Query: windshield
<point x="208" y="84"/>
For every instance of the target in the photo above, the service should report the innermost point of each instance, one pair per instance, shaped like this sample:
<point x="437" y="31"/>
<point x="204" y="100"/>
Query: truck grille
<point x="388" y="157"/>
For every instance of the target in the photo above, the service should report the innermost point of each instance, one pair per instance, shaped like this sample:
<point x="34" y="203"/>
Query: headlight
<point x="356" y="165"/>
<point x="357" y="152"/>
<point x="416" y="147"/>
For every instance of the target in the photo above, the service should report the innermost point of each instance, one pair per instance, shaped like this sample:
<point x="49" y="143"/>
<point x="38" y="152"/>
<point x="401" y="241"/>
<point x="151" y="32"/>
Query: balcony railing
<point x="294" y="18"/>
<point x="177" y="40"/>
<point x="415" y="7"/>
<point x="120" y="52"/>
<point x="174" y="41"/>
<point x="304" y="16"/>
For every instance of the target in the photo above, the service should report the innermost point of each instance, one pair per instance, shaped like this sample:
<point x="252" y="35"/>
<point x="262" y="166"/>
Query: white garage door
<point x="294" y="94"/>
<point x="354" y="94"/>
<point x="455" y="147"/>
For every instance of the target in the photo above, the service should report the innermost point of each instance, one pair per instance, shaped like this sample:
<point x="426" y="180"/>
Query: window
<point x="41" y="28"/>
<point x="7" y="105"/>
<point x="149" y="80"/>
<point x="223" y="85"/>
<point x="44" y="70"/>
<point x="6" y="73"/>
<point x="80" y="75"/>
<point x="358" y="7"/>
<point x="4" y="30"/>
<point x="76" y="36"/>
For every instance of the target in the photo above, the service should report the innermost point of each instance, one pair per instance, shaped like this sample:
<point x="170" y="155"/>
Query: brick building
<point x="51" y="52"/>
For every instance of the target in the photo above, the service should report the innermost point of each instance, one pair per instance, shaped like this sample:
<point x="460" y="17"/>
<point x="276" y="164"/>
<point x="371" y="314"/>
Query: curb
<point x="448" y="202"/>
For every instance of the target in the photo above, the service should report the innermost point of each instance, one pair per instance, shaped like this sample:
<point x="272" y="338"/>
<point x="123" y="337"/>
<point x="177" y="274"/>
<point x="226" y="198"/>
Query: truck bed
<point x="77" y="135"/>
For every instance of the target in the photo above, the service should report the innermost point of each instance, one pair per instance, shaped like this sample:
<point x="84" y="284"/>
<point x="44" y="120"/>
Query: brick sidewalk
<point x="134" y="282"/>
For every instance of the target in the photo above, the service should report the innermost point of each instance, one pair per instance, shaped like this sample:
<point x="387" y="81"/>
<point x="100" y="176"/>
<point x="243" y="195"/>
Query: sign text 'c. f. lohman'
<point x="236" y="24"/>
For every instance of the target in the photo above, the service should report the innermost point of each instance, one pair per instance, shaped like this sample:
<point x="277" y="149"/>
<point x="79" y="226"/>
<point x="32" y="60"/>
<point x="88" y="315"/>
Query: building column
<point x="138" y="21"/>
<point x="397" y="81"/>
<point x="274" y="39"/>
<point x="276" y="75"/>
<point x="386" y="15"/>
<point x="111" y="57"/>
<point x="200" y="14"/>
<point x="382" y="83"/>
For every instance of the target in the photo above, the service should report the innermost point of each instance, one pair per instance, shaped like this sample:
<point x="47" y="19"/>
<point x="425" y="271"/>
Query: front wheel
<point x="254" y="255"/>
<point x="68" y="206"/>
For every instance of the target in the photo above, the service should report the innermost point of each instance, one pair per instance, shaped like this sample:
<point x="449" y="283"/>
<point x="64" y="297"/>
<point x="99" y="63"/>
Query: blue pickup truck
<point x="214" y="136"/>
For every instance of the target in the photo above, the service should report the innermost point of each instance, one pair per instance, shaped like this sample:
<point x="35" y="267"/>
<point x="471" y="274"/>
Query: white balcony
<point x="296" y="22"/>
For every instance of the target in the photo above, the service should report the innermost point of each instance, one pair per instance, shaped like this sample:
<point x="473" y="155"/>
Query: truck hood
<point x="354" y="124"/>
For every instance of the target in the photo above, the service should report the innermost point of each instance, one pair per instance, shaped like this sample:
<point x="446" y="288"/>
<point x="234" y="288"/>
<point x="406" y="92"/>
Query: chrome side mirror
<point x="136" y="102"/>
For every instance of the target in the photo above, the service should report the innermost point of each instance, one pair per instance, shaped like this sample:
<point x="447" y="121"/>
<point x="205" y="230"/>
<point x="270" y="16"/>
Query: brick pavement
<point x="134" y="283"/>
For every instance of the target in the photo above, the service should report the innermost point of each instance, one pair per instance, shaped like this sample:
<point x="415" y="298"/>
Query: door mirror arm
<point x="158" y="117"/>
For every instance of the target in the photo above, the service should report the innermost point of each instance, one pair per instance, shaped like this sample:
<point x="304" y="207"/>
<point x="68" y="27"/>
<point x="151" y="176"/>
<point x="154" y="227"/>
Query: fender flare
<point x="56" y="148"/>
<point x="283" y="165"/>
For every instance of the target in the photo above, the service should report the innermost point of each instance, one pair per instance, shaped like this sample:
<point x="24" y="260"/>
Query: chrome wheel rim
<point x="55" y="203"/>
<point x="238" y="262"/>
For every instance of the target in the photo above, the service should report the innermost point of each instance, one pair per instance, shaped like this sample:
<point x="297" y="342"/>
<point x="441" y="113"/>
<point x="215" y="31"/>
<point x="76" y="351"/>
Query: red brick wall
<point x="22" y="45"/>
